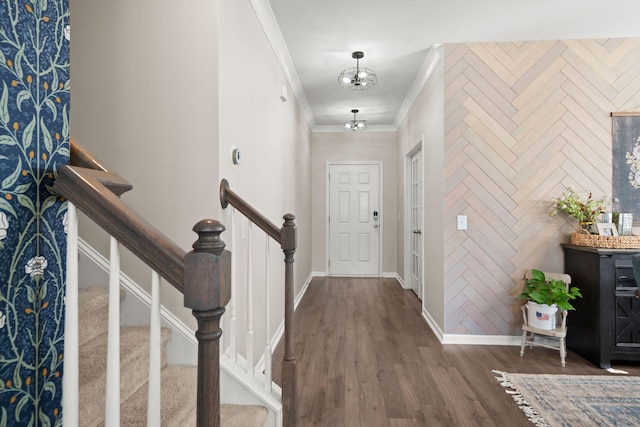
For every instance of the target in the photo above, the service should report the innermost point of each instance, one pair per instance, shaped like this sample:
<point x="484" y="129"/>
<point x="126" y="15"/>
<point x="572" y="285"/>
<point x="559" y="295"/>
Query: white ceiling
<point x="314" y="40"/>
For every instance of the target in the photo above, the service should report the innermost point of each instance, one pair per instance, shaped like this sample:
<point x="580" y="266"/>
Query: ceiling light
<point x="357" y="78"/>
<point x="355" y="125"/>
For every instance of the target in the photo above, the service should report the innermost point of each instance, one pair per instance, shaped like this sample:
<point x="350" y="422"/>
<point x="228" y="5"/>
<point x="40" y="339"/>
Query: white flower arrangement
<point x="633" y="160"/>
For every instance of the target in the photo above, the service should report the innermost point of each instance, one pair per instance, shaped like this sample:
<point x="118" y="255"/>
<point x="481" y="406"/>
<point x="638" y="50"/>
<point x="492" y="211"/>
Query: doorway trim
<point x="381" y="210"/>
<point x="407" y="215"/>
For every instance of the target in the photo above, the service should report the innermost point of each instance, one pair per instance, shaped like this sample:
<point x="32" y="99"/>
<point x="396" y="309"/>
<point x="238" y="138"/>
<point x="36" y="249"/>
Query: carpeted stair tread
<point x="134" y="368"/>
<point x="243" y="415"/>
<point x="179" y="383"/>
<point x="178" y="400"/>
<point x="93" y="312"/>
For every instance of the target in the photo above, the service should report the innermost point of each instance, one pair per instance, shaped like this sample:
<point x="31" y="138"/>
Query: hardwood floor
<point x="366" y="357"/>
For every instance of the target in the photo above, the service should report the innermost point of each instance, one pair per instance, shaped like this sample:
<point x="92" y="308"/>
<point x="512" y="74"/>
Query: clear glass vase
<point x="589" y="227"/>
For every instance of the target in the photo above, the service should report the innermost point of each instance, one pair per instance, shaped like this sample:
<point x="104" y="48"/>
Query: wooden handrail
<point x="79" y="156"/>
<point x="286" y="236"/>
<point x="82" y="158"/>
<point x="89" y="190"/>
<point x="228" y="196"/>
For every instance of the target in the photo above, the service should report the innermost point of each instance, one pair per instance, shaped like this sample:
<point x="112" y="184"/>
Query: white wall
<point x="145" y="89"/>
<point x="274" y="140"/>
<point x="425" y="120"/>
<point x="353" y="146"/>
<point x="160" y="93"/>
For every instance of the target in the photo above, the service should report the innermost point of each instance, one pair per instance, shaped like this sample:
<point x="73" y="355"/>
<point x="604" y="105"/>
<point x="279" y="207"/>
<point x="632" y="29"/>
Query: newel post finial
<point x="209" y="240"/>
<point x="288" y="231"/>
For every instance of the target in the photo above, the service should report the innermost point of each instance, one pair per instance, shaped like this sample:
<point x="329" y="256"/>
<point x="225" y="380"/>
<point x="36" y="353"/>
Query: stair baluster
<point x="249" y="341"/>
<point x="233" y="327"/>
<point x="70" y="379"/>
<point x="155" y="352"/>
<point x="268" y="383"/>
<point x="112" y="404"/>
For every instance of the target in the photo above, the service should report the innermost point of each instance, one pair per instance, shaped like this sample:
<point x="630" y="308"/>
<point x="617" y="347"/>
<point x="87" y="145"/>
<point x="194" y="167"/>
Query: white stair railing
<point x="155" y="352"/>
<point x="249" y="314"/>
<point x="71" y="356"/>
<point x="249" y="305"/>
<point x="70" y="383"/>
<point x="268" y="384"/>
<point x="233" y="321"/>
<point x="112" y="404"/>
<point x="260" y="373"/>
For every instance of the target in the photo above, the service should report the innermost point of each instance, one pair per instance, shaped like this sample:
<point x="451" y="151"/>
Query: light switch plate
<point x="461" y="222"/>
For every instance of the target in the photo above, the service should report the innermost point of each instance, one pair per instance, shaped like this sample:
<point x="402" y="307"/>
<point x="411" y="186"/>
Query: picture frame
<point x="607" y="229"/>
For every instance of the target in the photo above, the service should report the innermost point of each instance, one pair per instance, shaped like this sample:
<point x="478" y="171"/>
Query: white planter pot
<point x="542" y="316"/>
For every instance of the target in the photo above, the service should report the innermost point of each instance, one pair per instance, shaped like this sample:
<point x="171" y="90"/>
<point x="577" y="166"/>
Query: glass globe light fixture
<point x="357" y="78"/>
<point x="355" y="125"/>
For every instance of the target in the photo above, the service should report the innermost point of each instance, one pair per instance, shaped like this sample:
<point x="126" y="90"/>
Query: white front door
<point x="355" y="219"/>
<point x="416" y="223"/>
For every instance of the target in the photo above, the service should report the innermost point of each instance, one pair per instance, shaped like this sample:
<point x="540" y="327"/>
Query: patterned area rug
<point x="575" y="400"/>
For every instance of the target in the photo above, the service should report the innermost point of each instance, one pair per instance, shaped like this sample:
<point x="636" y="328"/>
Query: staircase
<point x="178" y="382"/>
<point x="204" y="276"/>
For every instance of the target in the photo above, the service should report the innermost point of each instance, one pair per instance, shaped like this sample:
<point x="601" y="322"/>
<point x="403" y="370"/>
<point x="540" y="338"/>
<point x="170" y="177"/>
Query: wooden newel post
<point x="288" y="245"/>
<point x="207" y="290"/>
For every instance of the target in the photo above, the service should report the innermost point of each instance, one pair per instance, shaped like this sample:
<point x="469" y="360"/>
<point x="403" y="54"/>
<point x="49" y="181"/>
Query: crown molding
<point x="426" y="70"/>
<point x="340" y="128"/>
<point x="267" y="19"/>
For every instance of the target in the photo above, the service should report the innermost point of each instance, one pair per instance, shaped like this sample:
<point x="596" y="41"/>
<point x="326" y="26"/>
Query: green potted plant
<point x="545" y="296"/>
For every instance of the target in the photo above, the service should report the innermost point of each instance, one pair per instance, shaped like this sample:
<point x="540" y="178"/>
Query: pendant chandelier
<point x="355" y="125"/>
<point x="357" y="78"/>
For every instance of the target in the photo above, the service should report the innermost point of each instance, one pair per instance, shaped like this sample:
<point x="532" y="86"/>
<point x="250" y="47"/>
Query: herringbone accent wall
<point x="523" y="121"/>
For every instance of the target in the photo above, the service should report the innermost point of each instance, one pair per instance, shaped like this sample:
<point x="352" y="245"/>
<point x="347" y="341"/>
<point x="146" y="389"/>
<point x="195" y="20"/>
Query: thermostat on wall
<point x="235" y="156"/>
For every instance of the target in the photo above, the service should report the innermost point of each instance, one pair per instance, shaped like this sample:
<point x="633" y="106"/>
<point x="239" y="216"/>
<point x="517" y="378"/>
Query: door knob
<point x="417" y="231"/>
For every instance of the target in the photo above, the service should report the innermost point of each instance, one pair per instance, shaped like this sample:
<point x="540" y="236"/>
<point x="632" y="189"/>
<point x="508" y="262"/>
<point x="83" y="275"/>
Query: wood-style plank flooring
<point x="366" y="357"/>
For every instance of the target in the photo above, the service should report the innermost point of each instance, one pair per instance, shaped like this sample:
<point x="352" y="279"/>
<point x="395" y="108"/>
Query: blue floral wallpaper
<point x="34" y="143"/>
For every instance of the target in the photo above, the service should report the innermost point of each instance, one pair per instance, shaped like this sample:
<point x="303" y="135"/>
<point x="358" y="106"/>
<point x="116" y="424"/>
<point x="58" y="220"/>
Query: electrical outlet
<point x="461" y="222"/>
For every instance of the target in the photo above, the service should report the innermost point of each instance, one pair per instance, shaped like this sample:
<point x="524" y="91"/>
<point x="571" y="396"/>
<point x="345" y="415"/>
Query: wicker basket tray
<point x="610" y="242"/>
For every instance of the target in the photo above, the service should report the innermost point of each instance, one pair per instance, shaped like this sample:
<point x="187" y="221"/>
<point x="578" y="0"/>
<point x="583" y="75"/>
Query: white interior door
<point x="354" y="219"/>
<point x="416" y="223"/>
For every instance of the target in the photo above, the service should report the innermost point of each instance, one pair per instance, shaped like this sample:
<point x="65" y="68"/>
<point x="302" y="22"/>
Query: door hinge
<point x="329" y="262"/>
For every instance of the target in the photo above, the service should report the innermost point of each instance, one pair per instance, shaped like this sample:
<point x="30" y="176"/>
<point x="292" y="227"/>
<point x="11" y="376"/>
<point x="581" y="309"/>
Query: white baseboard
<point x="432" y="324"/>
<point x="390" y="275"/>
<point x="511" y="340"/>
<point x="394" y="276"/>
<point x="468" y="339"/>
<point x="303" y="291"/>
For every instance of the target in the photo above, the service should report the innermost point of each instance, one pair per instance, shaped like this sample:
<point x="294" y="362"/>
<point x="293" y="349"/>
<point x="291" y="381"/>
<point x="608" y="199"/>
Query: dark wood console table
<point x="606" y="323"/>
